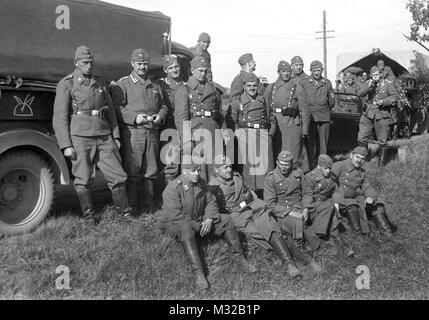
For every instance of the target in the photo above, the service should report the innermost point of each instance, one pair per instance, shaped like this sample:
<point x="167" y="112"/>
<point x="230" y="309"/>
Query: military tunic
<point x="353" y="189"/>
<point x="284" y="195"/>
<point x="249" y="116"/>
<point x="84" y="118"/>
<point x="236" y="88"/>
<point x="187" y="205"/>
<point x="200" y="104"/>
<point x="297" y="78"/>
<point x="198" y="52"/>
<point x="250" y="215"/>
<point x="376" y="117"/>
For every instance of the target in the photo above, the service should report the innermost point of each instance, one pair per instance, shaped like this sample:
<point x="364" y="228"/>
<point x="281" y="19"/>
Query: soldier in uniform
<point x="379" y="95"/>
<point x="385" y="71"/>
<point x="281" y="97"/>
<point x="252" y="216"/>
<point x="199" y="103"/>
<point x="87" y="131"/>
<point x="355" y="198"/>
<point x="200" y="50"/>
<point x="141" y="112"/>
<point x="348" y="103"/>
<point x="283" y="194"/>
<point x="191" y="209"/>
<point x="297" y="65"/>
<point x="254" y="125"/>
<point x="316" y="98"/>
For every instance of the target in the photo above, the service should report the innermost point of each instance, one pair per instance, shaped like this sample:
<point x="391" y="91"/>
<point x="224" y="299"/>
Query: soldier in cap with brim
<point x="198" y="106"/>
<point x="355" y="198"/>
<point x="251" y="215"/>
<point x="191" y="209"/>
<point x="87" y="132"/>
<point x="201" y="50"/>
<point x="142" y="110"/>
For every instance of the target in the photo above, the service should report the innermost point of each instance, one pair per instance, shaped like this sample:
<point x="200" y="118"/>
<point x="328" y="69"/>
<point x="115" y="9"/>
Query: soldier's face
<point x="140" y="67"/>
<point x="191" y="175"/>
<point x="375" y="76"/>
<point x="380" y="65"/>
<point x="173" y="71"/>
<point x="285" y="167"/>
<point x="200" y="74"/>
<point x="251" y="88"/>
<point x="225" y="172"/>
<point x="325" y="171"/>
<point x="297" y="68"/>
<point x="85" y="66"/>
<point x="204" y="45"/>
<point x="357" y="160"/>
<point x="285" y="74"/>
<point x="317" y="73"/>
<point x="252" y="65"/>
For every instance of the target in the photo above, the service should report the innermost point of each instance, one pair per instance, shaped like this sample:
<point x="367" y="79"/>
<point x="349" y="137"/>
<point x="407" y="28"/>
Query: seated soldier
<point x="355" y="197"/>
<point x="190" y="209"/>
<point x="251" y="215"/>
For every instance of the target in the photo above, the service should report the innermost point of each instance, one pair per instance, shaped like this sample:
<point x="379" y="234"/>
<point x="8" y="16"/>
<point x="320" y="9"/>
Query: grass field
<point x="119" y="260"/>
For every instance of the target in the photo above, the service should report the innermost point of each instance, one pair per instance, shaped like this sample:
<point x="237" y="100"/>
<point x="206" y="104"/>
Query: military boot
<point x="297" y="253"/>
<point x="133" y="197"/>
<point x="86" y="205"/>
<point x="232" y="237"/>
<point x="382" y="160"/>
<point x="280" y="248"/>
<point x="382" y="221"/>
<point x="354" y="219"/>
<point x="148" y="192"/>
<point x="191" y="250"/>
<point x="120" y="201"/>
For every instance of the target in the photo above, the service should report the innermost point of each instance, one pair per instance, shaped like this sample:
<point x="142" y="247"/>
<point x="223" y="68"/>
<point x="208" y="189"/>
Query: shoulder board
<point x="270" y="173"/>
<point x="123" y="78"/>
<point x="179" y="182"/>
<point x="70" y="76"/>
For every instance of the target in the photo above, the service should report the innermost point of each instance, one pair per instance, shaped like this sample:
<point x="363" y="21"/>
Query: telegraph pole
<point x="325" y="50"/>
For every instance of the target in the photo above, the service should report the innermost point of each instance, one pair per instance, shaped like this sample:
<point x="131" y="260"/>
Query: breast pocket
<point x="98" y="98"/>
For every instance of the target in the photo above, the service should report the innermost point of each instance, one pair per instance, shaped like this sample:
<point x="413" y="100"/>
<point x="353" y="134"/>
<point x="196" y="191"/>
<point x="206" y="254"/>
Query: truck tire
<point x="26" y="191"/>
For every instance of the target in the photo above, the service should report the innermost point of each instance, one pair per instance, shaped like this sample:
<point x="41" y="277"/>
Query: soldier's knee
<point x="186" y="231"/>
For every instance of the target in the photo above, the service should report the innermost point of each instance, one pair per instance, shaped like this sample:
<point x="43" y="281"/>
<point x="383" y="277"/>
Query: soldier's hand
<point x="369" y="200"/>
<point x="140" y="118"/>
<point x="380" y="102"/>
<point x="206" y="226"/>
<point x="118" y="143"/>
<point x="70" y="153"/>
<point x="157" y="119"/>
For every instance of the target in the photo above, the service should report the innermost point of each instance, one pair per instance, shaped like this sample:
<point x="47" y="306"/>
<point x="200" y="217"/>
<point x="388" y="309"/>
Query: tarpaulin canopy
<point x="398" y="61"/>
<point x="33" y="47"/>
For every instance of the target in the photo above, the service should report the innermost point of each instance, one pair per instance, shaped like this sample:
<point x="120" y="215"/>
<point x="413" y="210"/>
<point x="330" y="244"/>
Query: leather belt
<point x="88" y="112"/>
<point x="254" y="125"/>
<point x="203" y="114"/>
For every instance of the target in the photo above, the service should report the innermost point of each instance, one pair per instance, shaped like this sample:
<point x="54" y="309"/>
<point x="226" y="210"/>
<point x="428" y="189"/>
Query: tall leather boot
<point x="383" y="156"/>
<point x="148" y="190"/>
<point x="297" y="253"/>
<point x="120" y="201"/>
<point x="86" y="205"/>
<point x="132" y="188"/>
<point x="231" y="236"/>
<point x="382" y="221"/>
<point x="354" y="219"/>
<point x="280" y="248"/>
<point x="191" y="251"/>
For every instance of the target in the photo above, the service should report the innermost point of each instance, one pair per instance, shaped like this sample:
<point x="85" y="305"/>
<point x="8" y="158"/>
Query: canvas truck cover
<point x="33" y="48"/>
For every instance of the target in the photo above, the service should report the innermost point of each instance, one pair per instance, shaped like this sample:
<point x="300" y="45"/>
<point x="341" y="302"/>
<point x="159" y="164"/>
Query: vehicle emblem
<point x="23" y="108"/>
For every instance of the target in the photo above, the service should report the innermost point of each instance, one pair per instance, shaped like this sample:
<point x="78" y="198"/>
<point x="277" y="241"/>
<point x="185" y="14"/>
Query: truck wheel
<point x="26" y="191"/>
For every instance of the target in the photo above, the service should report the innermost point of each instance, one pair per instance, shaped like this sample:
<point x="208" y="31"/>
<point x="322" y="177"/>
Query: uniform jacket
<point x="170" y="87"/>
<point x="138" y="96"/>
<point x="280" y="95"/>
<point x="236" y="89"/>
<point x="316" y="98"/>
<point x="388" y="74"/>
<point x="283" y="194"/>
<point x="75" y="92"/>
<point x="184" y="201"/>
<point x="298" y="78"/>
<point x="316" y="188"/>
<point x="384" y="90"/>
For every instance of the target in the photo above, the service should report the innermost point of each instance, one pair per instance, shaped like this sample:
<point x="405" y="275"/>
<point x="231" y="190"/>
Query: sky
<point x="274" y="30"/>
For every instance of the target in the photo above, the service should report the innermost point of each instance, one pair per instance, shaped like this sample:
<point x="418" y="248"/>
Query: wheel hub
<point x="9" y="193"/>
<point x="11" y="188"/>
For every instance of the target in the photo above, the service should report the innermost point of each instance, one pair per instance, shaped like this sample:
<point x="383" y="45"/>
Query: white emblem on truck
<point x="23" y="108"/>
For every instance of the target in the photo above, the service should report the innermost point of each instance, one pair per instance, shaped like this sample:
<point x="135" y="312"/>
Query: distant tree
<point x="419" y="28"/>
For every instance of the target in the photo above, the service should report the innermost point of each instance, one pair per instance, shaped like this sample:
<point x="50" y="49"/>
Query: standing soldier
<point x="282" y="99"/>
<point x="318" y="99"/>
<point x="254" y="125"/>
<point x="251" y="215"/>
<point x="379" y="95"/>
<point x="199" y="103"/>
<point x="141" y="112"/>
<point x="87" y="131"/>
<point x="297" y="65"/>
<point x="200" y="50"/>
<point x="190" y="210"/>
<point x="355" y="197"/>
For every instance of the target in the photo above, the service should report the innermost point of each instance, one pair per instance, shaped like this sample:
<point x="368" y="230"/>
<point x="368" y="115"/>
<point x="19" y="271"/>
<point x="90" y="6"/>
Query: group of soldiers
<point x="302" y="195"/>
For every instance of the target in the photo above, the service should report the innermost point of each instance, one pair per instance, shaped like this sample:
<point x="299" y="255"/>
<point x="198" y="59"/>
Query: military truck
<point x="39" y="38"/>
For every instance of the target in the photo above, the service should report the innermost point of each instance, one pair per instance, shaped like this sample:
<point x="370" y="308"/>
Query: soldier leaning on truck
<point x="141" y="111"/>
<point x="87" y="131"/>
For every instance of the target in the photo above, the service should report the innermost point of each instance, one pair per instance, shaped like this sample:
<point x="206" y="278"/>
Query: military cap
<point x="168" y="60"/>
<point x="249" y="77"/>
<point x="245" y="58"/>
<point x="348" y="77"/>
<point x="190" y="166"/>
<point x="221" y="160"/>
<point x="296" y="59"/>
<point x="324" y="161"/>
<point x="199" y="62"/>
<point x="283" y="65"/>
<point x="83" y="52"/>
<point x="361" y="150"/>
<point x="285" y="156"/>
<point x="374" y="69"/>
<point x="316" y="64"/>
<point x="204" y="37"/>
<point x="140" y="55"/>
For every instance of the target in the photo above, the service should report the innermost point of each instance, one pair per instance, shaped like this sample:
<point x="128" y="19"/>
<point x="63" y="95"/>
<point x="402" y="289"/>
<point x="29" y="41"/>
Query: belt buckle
<point x="278" y="110"/>
<point x="256" y="126"/>
<point x="243" y="204"/>
<point x="95" y="112"/>
<point x="207" y="113"/>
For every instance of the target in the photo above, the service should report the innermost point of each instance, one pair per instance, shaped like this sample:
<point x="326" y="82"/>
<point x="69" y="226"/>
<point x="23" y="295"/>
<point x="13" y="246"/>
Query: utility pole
<point x="325" y="50"/>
